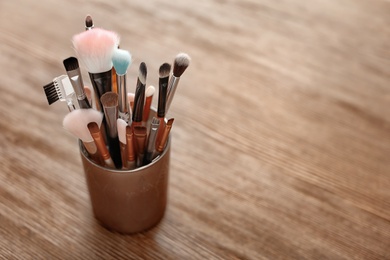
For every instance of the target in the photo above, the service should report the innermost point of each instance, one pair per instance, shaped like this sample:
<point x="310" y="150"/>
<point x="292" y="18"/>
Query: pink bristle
<point x="76" y="122"/>
<point x="95" y="47"/>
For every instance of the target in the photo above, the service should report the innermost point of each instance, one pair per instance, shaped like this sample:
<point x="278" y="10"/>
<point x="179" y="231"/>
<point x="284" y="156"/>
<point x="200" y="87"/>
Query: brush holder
<point x="128" y="201"/>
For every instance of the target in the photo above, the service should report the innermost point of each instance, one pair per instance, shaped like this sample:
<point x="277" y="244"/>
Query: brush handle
<point x="101" y="83"/>
<point x="115" y="151"/>
<point x="172" y="86"/>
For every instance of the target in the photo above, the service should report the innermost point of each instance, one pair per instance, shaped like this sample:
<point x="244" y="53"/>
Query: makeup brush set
<point x="116" y="127"/>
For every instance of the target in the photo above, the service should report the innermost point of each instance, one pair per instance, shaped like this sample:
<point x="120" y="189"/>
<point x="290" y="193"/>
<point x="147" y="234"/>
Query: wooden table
<point x="281" y="139"/>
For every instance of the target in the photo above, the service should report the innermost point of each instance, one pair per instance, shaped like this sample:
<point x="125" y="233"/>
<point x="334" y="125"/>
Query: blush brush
<point x="95" y="49"/>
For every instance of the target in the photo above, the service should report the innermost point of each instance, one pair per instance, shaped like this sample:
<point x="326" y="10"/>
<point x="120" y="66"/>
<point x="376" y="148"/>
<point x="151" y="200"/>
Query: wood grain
<point x="281" y="138"/>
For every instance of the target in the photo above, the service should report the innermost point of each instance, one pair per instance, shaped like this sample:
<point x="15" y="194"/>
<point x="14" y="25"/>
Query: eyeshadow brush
<point x="139" y="96"/>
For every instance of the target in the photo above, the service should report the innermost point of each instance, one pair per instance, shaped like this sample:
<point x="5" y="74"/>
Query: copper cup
<point x="128" y="201"/>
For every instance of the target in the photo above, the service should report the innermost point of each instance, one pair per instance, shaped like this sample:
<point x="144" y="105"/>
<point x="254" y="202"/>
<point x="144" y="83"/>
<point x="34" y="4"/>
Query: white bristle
<point x="76" y="122"/>
<point x="95" y="49"/>
<point x="121" y="126"/>
<point x="130" y="97"/>
<point x="150" y="91"/>
<point x="182" y="59"/>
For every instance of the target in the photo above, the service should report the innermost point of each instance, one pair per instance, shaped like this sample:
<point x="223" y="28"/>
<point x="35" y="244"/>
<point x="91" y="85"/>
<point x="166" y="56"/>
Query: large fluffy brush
<point x="76" y="123"/>
<point x="121" y="60"/>
<point x="95" y="48"/>
<point x="182" y="61"/>
<point x="139" y="97"/>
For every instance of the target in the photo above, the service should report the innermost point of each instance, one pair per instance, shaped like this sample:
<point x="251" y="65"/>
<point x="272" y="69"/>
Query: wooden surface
<point x="281" y="140"/>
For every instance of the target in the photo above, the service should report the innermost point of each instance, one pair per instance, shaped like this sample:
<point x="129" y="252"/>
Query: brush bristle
<point x="109" y="99"/>
<point x="121" y="126"/>
<point x="142" y="73"/>
<point x="121" y="60"/>
<point x="76" y="122"/>
<point x="71" y="63"/>
<point x="95" y="48"/>
<point x="164" y="70"/>
<point x="130" y="97"/>
<point x="88" y="22"/>
<point x="150" y="91"/>
<point x="182" y="61"/>
<point x="51" y="93"/>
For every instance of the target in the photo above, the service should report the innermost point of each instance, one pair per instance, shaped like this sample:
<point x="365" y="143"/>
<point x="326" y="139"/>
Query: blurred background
<point x="280" y="143"/>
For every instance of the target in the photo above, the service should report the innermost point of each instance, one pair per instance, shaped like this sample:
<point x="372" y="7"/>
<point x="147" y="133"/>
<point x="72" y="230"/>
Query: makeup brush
<point x="140" y="142"/>
<point x="101" y="146"/>
<point x="151" y="147"/>
<point x="60" y="89"/>
<point x="88" y="23"/>
<point x="162" y="143"/>
<point x="181" y="63"/>
<point x="71" y="65"/>
<point x="121" y="60"/>
<point x="95" y="48"/>
<point x="130" y="148"/>
<point x="121" y="126"/>
<point x="148" y="102"/>
<point x="76" y="123"/>
<point x="139" y="97"/>
<point x="164" y="71"/>
<point x="109" y="102"/>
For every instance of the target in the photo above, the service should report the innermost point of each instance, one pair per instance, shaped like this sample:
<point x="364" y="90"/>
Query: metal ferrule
<point x="172" y="85"/>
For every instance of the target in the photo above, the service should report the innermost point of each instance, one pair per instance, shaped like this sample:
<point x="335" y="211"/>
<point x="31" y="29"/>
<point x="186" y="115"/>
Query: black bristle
<point x="51" y="93"/>
<point x="142" y="73"/>
<point x="164" y="70"/>
<point x="71" y="63"/>
<point x="88" y="22"/>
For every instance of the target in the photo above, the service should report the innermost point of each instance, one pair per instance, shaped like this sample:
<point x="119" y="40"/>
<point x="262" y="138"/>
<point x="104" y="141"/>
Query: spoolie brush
<point x="139" y="98"/>
<point x="182" y="61"/>
<point x="121" y="60"/>
<point x="60" y="89"/>
<point x="95" y="48"/>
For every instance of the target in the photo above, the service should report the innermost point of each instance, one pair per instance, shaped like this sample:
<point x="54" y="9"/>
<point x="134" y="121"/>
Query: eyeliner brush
<point x="71" y="65"/>
<point x="181" y="63"/>
<point x="139" y="97"/>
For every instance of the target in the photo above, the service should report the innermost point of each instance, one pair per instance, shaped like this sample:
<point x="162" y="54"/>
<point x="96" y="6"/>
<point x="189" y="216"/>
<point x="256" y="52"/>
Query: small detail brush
<point x="139" y="97"/>
<point x="121" y="60"/>
<point x="181" y="63"/>
<point x="95" y="48"/>
<point x="130" y="148"/>
<point x="140" y="142"/>
<point x="151" y="147"/>
<point x="148" y="102"/>
<point x="109" y="102"/>
<point x="71" y="65"/>
<point x="121" y="126"/>
<point x="100" y="144"/>
<point x="88" y="23"/>
<point x="60" y="89"/>
<point x="76" y="123"/>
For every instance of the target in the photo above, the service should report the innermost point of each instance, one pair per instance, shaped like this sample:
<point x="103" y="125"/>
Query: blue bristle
<point x="121" y="60"/>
